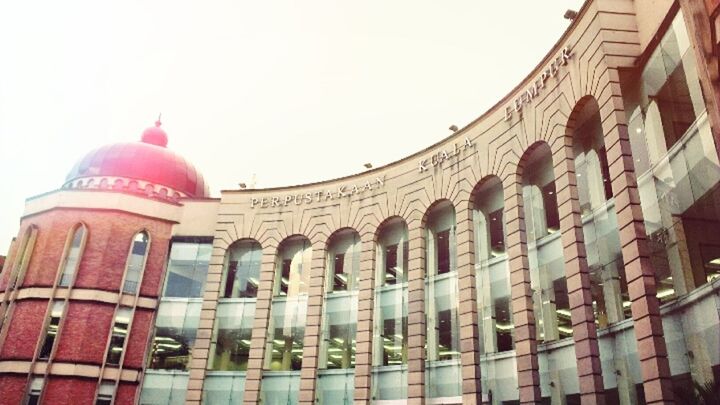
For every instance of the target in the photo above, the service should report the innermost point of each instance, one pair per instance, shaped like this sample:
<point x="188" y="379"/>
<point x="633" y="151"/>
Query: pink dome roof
<point x="147" y="161"/>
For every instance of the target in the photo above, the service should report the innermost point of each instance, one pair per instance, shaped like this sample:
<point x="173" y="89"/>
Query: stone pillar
<point x="416" y="313"/>
<point x="364" y="339"/>
<point x="521" y="293"/>
<point x="469" y="334"/>
<point x="639" y="271"/>
<point x="313" y="333"/>
<point x="256" y="360"/>
<point x="577" y="274"/>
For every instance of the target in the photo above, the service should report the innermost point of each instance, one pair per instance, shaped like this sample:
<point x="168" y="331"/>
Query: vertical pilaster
<point x="201" y="349"/>
<point x="364" y="339"/>
<point x="639" y="271"/>
<point x="521" y="293"/>
<point x="416" y="313"/>
<point x="469" y="333"/>
<point x="256" y="361"/>
<point x="311" y="341"/>
<point x="577" y="274"/>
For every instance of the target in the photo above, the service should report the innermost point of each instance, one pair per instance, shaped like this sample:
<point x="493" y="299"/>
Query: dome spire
<point x="155" y="135"/>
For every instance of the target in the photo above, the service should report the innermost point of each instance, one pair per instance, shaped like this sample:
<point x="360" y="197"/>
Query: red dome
<point x="148" y="162"/>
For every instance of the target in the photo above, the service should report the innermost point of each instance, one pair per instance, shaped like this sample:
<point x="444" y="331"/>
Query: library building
<point x="562" y="248"/>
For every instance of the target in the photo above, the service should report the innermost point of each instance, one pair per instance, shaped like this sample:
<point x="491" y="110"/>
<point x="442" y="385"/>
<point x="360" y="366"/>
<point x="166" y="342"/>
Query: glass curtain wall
<point x="336" y="381"/>
<point x="230" y="347"/>
<point x="442" y="370"/>
<point x="176" y="323"/>
<point x="677" y="166"/>
<point x="547" y="266"/>
<point x="492" y="277"/>
<point x="611" y="302"/>
<point x="284" y="351"/>
<point x="608" y="284"/>
<point x="551" y="305"/>
<point x="679" y="183"/>
<point x="390" y="327"/>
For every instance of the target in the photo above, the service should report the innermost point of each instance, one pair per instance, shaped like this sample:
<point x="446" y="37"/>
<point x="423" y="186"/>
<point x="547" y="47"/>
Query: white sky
<point x="293" y="91"/>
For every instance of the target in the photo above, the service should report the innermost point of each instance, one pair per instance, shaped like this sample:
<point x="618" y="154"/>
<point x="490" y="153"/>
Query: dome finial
<point x="155" y="135"/>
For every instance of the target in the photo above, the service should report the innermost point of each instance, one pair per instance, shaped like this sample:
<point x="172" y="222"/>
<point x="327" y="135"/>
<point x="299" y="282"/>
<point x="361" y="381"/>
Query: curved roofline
<point x="508" y="97"/>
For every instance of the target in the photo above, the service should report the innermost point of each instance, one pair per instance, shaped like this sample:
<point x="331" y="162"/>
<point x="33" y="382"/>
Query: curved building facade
<point x="562" y="248"/>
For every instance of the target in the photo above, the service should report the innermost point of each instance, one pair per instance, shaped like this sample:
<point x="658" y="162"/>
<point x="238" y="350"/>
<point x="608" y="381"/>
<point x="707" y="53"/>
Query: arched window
<point x="136" y="262"/>
<point x="242" y="270"/>
<point x="545" y="251"/>
<point x="73" y="252"/>
<point x="343" y="261"/>
<point x="493" y="276"/>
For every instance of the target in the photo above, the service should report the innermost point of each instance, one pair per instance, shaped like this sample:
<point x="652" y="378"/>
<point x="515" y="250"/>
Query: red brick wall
<point x="126" y="394"/>
<point x="12" y="388"/>
<point x="108" y="242"/>
<point x="135" y="349"/>
<point x="83" y="338"/>
<point x="25" y="328"/>
<point x="69" y="390"/>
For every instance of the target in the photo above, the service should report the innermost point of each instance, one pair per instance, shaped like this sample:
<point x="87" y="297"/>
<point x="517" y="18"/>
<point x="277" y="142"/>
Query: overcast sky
<point x="291" y="91"/>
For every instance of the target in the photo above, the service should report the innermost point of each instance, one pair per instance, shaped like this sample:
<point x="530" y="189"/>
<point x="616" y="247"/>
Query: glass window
<point x="119" y="335"/>
<point x="339" y="332"/>
<point x="441" y="305"/>
<point x="233" y="332"/>
<point x="394" y="270"/>
<point x="105" y="393"/>
<point x="677" y="165"/>
<point x="287" y="326"/>
<point x="56" y="314"/>
<point x="492" y="273"/>
<point x="35" y="390"/>
<point x="136" y="262"/>
<point x="545" y="253"/>
<point x="175" y="329"/>
<point x="344" y="261"/>
<point x="608" y="287"/>
<point x="164" y="387"/>
<point x="242" y="270"/>
<point x="187" y="269"/>
<point x="293" y="272"/>
<point x="72" y="256"/>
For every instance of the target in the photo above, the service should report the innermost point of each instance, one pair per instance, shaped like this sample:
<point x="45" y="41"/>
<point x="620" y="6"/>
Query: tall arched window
<point x="493" y="276"/>
<point x="442" y="304"/>
<point x="545" y="253"/>
<point x="390" y="328"/>
<point x="136" y="262"/>
<point x="73" y="252"/>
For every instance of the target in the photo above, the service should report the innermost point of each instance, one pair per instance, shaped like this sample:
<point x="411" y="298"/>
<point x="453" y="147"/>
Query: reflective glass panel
<point x="242" y="273"/>
<point x="187" y="269"/>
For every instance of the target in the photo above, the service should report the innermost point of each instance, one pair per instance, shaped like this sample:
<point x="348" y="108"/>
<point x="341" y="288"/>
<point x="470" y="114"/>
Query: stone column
<point x="469" y="334"/>
<point x="639" y="271"/>
<point x="577" y="274"/>
<point x="364" y="339"/>
<point x="416" y="313"/>
<point x="256" y="360"/>
<point x="521" y="293"/>
<point x="313" y="333"/>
